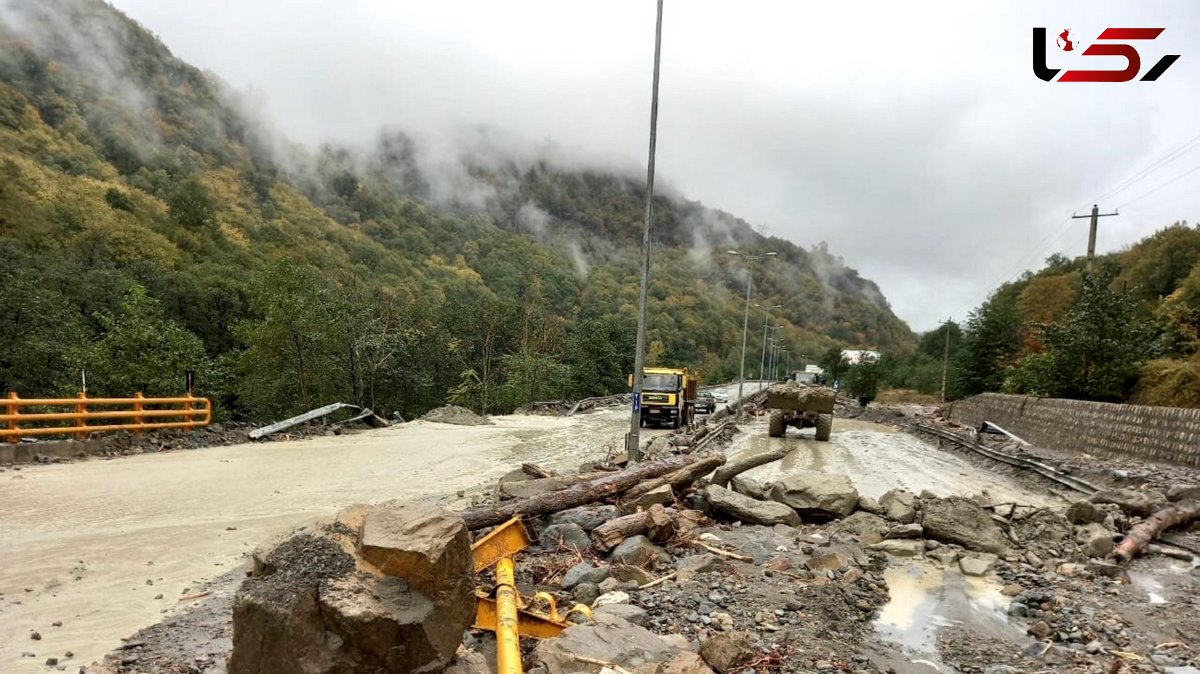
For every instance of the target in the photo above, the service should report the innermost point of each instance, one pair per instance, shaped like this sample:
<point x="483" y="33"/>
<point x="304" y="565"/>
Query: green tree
<point x="991" y="343"/>
<point x="141" y="350"/>
<point x="192" y="205"/>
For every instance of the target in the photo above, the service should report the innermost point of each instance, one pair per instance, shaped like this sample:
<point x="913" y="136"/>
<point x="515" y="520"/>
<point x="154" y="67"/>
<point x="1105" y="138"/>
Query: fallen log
<point x="681" y="478"/>
<point x="1138" y="538"/>
<point x="611" y="484"/>
<point x="732" y="469"/>
<point x="610" y="534"/>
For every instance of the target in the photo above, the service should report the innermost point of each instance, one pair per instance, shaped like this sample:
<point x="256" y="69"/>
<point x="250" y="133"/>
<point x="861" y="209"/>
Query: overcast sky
<point x="912" y="137"/>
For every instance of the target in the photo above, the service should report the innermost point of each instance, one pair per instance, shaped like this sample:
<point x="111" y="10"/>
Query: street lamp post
<point x="763" y="359"/>
<point x="771" y="361"/>
<point x="746" y="315"/>
<point x="633" y="438"/>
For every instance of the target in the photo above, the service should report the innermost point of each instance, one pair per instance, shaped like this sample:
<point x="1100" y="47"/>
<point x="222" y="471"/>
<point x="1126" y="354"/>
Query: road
<point x="107" y="546"/>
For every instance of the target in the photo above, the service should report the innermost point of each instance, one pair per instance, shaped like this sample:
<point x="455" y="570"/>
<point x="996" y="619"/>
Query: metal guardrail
<point x="143" y="414"/>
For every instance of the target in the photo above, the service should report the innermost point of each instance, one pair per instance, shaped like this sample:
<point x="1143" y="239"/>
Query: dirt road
<point x="107" y="546"/>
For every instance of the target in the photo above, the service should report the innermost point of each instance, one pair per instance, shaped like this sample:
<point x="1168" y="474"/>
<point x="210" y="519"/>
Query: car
<point x="720" y="395"/>
<point x="705" y="403"/>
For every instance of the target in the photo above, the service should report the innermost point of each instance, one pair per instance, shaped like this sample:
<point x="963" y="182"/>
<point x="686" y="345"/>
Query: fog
<point x="914" y="139"/>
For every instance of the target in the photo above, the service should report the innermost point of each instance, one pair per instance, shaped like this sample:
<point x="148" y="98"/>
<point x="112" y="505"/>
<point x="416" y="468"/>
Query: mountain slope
<point x="148" y="226"/>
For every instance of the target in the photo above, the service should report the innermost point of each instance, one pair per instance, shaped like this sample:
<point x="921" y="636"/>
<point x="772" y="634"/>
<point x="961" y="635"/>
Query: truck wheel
<point x="824" y="427"/>
<point x="775" y="426"/>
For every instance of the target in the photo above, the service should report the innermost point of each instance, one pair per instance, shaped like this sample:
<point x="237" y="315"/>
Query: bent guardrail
<point x="144" y="414"/>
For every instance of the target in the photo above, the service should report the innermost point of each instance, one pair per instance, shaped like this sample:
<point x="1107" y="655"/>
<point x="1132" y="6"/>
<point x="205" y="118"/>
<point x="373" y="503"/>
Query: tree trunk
<point x="610" y="534"/>
<point x="704" y="465"/>
<point x="600" y="488"/>
<point x="1138" y="538"/>
<point x="731" y="470"/>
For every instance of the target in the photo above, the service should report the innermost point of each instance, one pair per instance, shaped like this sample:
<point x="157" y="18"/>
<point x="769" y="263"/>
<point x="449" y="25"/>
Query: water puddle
<point x="925" y="599"/>
<point x="1150" y="585"/>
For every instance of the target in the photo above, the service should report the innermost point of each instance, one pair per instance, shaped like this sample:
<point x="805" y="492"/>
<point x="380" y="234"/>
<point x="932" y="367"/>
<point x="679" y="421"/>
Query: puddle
<point x="925" y="599"/>
<point x="1150" y="585"/>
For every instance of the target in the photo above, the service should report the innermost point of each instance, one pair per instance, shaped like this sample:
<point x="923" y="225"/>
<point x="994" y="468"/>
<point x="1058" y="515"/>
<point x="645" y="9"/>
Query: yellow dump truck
<point x="668" y="396"/>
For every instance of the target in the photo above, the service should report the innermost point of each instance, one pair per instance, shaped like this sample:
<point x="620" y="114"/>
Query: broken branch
<point x="1137" y="540"/>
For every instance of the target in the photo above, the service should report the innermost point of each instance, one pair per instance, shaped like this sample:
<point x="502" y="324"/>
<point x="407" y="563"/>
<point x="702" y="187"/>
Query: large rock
<point x="565" y="537"/>
<point x="725" y="652"/>
<point x="900" y="547"/>
<point x="1133" y="502"/>
<point x="864" y="526"/>
<point x="962" y="521"/>
<point x="1085" y="512"/>
<point x="976" y="564"/>
<point x="584" y="572"/>
<point x="608" y="639"/>
<point x="816" y="495"/>
<point x="634" y="614"/>
<point x="637" y="551"/>
<point x="749" y="510"/>
<point x="428" y="547"/>
<point x="1044" y="527"/>
<point x="748" y="486"/>
<point x="1095" y="540"/>
<point x="899" y="505"/>
<point x="686" y="663"/>
<point x="585" y="517"/>
<point x="311" y="611"/>
<point x="663" y="495"/>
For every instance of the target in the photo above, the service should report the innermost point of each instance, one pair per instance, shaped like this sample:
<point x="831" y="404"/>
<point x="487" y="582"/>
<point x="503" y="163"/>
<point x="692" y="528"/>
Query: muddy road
<point x="108" y="546"/>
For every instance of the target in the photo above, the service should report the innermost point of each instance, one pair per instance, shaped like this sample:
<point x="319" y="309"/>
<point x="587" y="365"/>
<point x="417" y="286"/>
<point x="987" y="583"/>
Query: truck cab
<point x="668" y="396"/>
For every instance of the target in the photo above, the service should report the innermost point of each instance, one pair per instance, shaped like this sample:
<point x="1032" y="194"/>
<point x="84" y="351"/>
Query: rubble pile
<point x="459" y="416"/>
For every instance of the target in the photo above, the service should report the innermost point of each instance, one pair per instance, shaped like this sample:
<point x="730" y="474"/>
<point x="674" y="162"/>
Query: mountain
<point x="151" y="224"/>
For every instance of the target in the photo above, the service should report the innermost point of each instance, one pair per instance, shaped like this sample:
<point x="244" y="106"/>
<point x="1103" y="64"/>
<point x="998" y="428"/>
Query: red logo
<point x="1110" y="43"/>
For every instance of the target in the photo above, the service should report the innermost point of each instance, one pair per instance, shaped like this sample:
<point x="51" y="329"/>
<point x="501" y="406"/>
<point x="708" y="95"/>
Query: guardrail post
<point x="12" y="423"/>
<point x="187" y="407"/>
<point x="81" y="408"/>
<point x="137" y="413"/>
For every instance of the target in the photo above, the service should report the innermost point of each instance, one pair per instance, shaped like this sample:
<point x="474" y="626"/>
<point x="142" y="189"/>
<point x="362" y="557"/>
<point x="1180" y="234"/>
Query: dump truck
<point x="802" y="406"/>
<point x="668" y="396"/>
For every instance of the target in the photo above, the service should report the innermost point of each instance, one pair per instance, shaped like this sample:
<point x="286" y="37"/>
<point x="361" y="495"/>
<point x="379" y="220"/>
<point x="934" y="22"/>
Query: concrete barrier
<point x="27" y="452"/>
<point x="1163" y="434"/>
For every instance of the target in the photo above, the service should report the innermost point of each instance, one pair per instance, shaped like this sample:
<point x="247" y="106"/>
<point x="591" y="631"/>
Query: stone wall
<point x="1166" y="434"/>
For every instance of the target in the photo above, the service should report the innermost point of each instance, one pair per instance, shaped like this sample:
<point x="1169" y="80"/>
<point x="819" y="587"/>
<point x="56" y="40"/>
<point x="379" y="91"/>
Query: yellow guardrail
<point x="143" y="414"/>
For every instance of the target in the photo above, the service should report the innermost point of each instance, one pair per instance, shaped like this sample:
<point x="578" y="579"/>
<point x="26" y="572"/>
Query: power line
<point x="1169" y="182"/>
<point x="1154" y="166"/>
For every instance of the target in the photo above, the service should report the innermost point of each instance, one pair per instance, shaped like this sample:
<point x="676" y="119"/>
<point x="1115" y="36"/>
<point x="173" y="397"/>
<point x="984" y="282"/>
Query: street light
<point x="746" y="316"/>
<point x="639" y="354"/>
<point x="766" y="319"/>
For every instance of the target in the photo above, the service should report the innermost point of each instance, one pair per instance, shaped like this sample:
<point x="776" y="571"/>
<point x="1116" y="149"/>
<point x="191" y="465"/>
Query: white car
<point x="720" y="395"/>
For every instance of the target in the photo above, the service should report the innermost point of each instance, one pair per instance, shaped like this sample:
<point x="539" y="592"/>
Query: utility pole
<point x="746" y="316"/>
<point x="945" y="358"/>
<point x="1095" y="217"/>
<point x="633" y="439"/>
<point x="762" y="360"/>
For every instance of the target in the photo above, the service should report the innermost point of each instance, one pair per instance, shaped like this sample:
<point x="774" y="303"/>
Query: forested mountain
<point x="148" y="226"/>
<point x="1129" y="330"/>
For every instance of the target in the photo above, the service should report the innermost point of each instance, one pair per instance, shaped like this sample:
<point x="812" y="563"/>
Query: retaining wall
<point x="1165" y="434"/>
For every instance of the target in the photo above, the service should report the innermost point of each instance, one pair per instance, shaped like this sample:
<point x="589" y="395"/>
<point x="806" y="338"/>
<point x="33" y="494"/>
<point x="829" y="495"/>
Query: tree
<point x="991" y="343"/>
<point x="192" y="206"/>
<point x="141" y="350"/>
<point x="863" y="379"/>
<point x="1094" y="353"/>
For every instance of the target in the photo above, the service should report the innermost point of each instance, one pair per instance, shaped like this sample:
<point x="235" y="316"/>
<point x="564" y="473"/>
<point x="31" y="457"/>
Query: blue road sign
<point x="637" y="402"/>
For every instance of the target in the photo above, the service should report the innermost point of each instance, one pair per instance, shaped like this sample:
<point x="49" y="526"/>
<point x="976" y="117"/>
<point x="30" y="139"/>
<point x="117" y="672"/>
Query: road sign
<point x="637" y="402"/>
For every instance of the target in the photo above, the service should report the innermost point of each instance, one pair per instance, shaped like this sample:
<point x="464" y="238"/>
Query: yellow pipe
<point x="508" y="646"/>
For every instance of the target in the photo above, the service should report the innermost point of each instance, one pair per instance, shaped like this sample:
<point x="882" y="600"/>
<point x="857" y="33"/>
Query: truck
<point x="668" y="396"/>
<point x="801" y="406"/>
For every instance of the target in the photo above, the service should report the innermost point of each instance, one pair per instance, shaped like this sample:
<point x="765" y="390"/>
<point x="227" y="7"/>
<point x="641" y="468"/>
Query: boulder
<point x="870" y="505"/>
<point x="658" y="496"/>
<point x="1085" y="512"/>
<point x="1133" y="502"/>
<point x="816" y="495"/>
<point x="747" y="509"/>
<point x="584" y="572"/>
<point x="636" y="574"/>
<point x="637" y="551"/>
<point x="976" y="564"/>
<point x="899" y="505"/>
<point x="1094" y="540"/>
<point x="1183" y="492"/>
<point x="586" y="593"/>
<point x="687" y="567"/>
<point x="900" y="547"/>
<point x="608" y="638"/>
<point x="565" y="536"/>
<point x="585" y="517"/>
<point x="312" y="611"/>
<point x="748" y="486"/>
<point x="962" y="521"/>
<point x="686" y="663"/>
<point x="1044" y="527"/>
<point x="726" y="651"/>
<point x="864" y="526"/>
<point x="609" y="598"/>
<point x="913" y="530"/>
<point x="634" y="614"/>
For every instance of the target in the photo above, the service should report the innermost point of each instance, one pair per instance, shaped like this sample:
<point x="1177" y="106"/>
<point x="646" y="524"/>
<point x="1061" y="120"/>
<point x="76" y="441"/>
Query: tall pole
<point x="945" y="358"/>
<point x="633" y="439"/>
<point x="745" y="326"/>
<point x="762" y="360"/>
<point x="1095" y="220"/>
